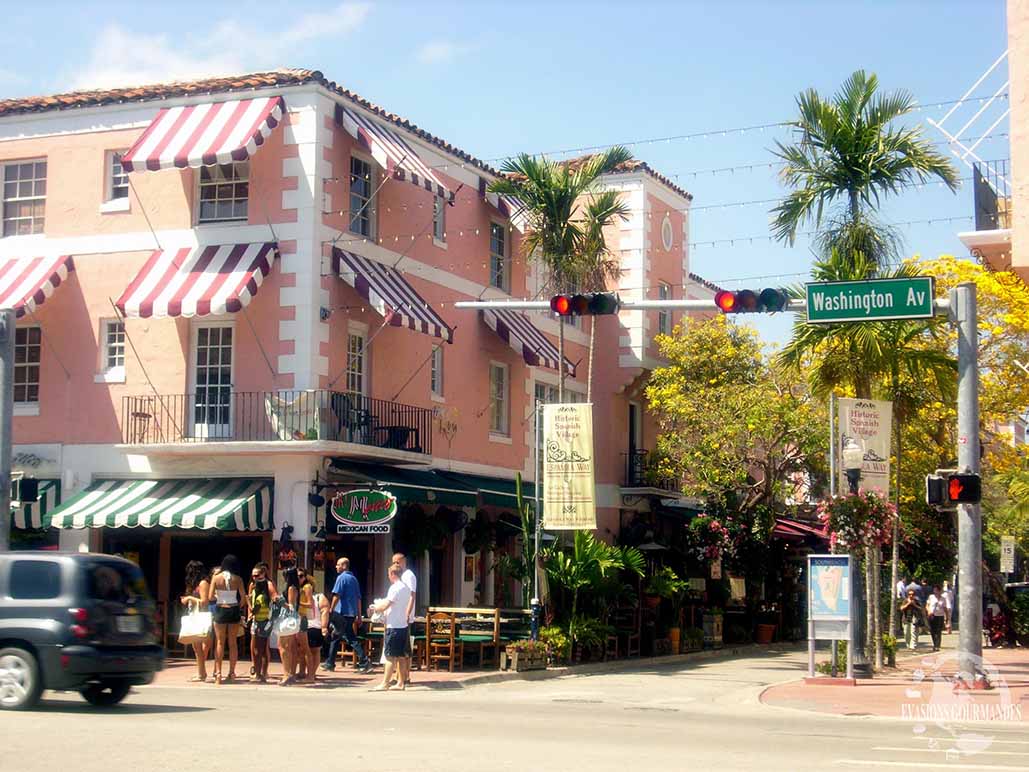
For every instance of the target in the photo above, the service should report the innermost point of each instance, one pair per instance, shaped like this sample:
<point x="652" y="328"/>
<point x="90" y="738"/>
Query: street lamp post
<point x="852" y="458"/>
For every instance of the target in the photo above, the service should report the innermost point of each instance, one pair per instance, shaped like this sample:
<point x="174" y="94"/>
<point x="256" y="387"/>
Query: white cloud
<point x="442" y="51"/>
<point x="120" y="57"/>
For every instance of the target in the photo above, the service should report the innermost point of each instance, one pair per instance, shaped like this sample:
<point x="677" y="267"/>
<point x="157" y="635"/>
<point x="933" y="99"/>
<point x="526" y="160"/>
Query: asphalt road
<point x="697" y="717"/>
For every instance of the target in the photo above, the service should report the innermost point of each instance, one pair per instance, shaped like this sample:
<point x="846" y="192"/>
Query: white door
<point x="212" y="381"/>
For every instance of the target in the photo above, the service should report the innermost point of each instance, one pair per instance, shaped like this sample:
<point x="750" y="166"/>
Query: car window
<point x="35" y="580"/>
<point x="115" y="581"/>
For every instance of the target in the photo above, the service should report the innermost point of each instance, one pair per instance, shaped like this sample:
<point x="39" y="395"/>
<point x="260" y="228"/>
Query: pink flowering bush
<point x="857" y="520"/>
<point x="708" y="537"/>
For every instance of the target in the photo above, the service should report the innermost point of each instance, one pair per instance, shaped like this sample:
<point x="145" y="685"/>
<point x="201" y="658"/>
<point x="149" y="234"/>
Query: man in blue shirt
<point x="345" y="616"/>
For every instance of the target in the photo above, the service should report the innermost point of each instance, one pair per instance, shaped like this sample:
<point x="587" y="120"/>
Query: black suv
<point x="74" y="621"/>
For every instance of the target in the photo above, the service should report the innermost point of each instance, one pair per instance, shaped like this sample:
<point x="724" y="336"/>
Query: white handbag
<point x="287" y="624"/>
<point x="195" y="627"/>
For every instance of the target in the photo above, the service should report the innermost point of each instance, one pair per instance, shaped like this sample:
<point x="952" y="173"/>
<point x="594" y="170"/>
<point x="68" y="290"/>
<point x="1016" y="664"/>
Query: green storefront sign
<point x="363" y="511"/>
<point x="873" y="300"/>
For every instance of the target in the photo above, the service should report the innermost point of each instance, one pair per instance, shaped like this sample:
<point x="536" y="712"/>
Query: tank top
<point x="260" y="605"/>
<point x="228" y="596"/>
<point x="314" y="613"/>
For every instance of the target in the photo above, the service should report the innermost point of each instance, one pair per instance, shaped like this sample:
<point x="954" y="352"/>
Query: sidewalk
<point x="921" y="687"/>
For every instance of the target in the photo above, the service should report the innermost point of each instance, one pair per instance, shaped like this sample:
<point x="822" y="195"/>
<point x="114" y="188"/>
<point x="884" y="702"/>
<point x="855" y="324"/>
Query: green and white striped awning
<point x="36" y="514"/>
<point x="226" y="504"/>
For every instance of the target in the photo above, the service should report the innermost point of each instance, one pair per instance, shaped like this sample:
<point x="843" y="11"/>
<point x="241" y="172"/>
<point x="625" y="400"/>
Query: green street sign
<point x="872" y="300"/>
<point x="364" y="511"/>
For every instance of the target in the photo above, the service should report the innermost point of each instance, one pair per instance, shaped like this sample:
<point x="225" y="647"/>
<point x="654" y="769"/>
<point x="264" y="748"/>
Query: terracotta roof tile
<point x="636" y="165"/>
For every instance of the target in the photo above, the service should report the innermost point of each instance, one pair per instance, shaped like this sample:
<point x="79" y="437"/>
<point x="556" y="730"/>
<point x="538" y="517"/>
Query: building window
<point x="355" y="363"/>
<point x="114" y="345"/>
<point x="664" y="315"/>
<point x="439" y="219"/>
<point x="499" y="422"/>
<point x="362" y="203"/>
<point x="224" y="192"/>
<point x="117" y="178"/>
<point x="24" y="197"/>
<point x="27" y="351"/>
<point x="498" y="264"/>
<point x="436" y="371"/>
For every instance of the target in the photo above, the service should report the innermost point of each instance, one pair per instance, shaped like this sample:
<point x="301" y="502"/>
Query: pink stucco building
<point x="236" y="296"/>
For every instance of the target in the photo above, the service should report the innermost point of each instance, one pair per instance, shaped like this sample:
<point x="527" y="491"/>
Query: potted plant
<point x="524" y="655"/>
<point x="693" y="639"/>
<point x="667" y="584"/>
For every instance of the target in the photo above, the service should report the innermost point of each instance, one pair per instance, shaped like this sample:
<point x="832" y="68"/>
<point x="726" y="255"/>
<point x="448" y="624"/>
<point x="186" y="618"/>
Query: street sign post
<point x="1007" y="554"/>
<point x="872" y="300"/>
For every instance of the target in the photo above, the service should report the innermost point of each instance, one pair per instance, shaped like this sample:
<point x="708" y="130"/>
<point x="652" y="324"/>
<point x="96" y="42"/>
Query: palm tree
<point x="848" y="156"/>
<point x="551" y="195"/>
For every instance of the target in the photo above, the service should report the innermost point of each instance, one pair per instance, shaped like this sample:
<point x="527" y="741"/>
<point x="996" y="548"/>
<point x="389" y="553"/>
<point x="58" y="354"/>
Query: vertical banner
<point x="865" y="424"/>
<point x="569" y="501"/>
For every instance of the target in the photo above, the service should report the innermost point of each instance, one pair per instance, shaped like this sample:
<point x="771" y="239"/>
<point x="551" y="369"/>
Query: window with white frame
<point x="664" y="315"/>
<point x="499" y="419"/>
<point x="362" y="195"/>
<point x="28" y="345"/>
<point x="498" y="263"/>
<point x="24" y="197"/>
<point x="356" y="372"/>
<point x="436" y="371"/>
<point x="224" y="192"/>
<point x="439" y="219"/>
<point x="117" y="177"/>
<point x="113" y="345"/>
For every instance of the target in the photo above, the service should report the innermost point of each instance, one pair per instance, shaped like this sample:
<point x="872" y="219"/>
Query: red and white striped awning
<point x="515" y="329"/>
<point x="389" y="293"/>
<point x="26" y="282"/>
<point x="391" y="151"/>
<point x="198" y="281"/>
<point x="204" y="134"/>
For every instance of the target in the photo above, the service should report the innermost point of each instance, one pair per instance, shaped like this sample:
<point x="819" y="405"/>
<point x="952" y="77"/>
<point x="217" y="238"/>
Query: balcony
<point x="285" y="419"/>
<point x="641" y="471"/>
<point x="992" y="194"/>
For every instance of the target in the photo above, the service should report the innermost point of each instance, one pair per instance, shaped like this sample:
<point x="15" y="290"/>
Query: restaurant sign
<point x="363" y="511"/>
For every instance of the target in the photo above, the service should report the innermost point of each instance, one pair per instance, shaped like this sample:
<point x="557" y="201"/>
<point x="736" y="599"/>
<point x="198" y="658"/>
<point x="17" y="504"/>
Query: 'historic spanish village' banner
<point x="868" y="422"/>
<point x="569" y="501"/>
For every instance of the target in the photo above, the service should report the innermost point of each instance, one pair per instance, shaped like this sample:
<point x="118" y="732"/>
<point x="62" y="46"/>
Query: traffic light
<point x="948" y="487"/>
<point x="746" y="301"/>
<point x="589" y="304"/>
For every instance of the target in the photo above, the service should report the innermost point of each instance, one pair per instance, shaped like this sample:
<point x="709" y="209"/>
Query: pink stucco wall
<point x="1018" y="77"/>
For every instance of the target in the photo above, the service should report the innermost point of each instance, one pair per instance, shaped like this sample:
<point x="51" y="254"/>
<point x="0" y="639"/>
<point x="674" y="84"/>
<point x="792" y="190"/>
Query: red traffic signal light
<point x="747" y="301"/>
<point x="588" y="304"/>
<point x="964" y="488"/>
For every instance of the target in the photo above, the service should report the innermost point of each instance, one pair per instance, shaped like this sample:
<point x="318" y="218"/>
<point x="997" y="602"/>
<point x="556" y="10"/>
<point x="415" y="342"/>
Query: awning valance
<point x="197" y="281"/>
<point x="26" y="282"/>
<point x="498" y="491"/>
<point x="225" y="504"/>
<point x="391" y="151"/>
<point x="412" y="485"/>
<point x="36" y="514"/>
<point x="389" y="293"/>
<point x="205" y="134"/>
<point x="515" y="329"/>
<point x="796" y="530"/>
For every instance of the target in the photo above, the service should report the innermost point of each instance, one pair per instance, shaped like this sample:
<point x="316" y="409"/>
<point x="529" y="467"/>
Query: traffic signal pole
<point x="964" y="315"/>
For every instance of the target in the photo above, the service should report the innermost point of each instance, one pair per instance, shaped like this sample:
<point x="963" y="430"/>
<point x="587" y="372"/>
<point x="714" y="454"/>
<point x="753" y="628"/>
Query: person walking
<point x="396" y="610"/>
<point x="345" y="618"/>
<point x="937" y="616"/>
<point x="411" y="581"/>
<point x="197" y="590"/>
<point x="948" y="596"/>
<point x="261" y="595"/>
<point x="911" y="615"/>
<point x="227" y="593"/>
<point x="902" y="587"/>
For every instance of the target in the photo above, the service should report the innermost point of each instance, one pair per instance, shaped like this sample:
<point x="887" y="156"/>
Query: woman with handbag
<point x="288" y="627"/>
<point x="195" y="600"/>
<point x="261" y="596"/>
<point x="227" y="592"/>
<point x="313" y="607"/>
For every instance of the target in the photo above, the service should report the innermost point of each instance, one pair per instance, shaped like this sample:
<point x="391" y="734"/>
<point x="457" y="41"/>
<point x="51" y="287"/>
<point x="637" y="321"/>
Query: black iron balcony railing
<point x="218" y="414"/>
<point x="992" y="195"/>
<point x="641" y="471"/>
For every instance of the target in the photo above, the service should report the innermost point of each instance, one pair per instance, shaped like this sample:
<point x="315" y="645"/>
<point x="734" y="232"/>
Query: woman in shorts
<point x="315" y="610"/>
<point x="227" y="594"/>
<point x="197" y="589"/>
<point x="261" y="596"/>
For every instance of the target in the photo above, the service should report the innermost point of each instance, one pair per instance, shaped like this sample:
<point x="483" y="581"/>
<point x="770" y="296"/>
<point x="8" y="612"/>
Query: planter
<point x="765" y="634"/>
<point x="651" y="601"/>
<point x="520" y="661"/>
<point x="675" y="639"/>
<point x="713" y="631"/>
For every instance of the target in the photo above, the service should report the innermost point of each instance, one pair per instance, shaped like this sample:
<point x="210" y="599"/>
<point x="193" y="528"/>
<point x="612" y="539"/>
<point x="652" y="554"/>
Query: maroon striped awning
<point x="389" y="293"/>
<point x="26" y="282"/>
<point x="514" y="328"/>
<point x="205" y="134"/>
<point x="198" y="281"/>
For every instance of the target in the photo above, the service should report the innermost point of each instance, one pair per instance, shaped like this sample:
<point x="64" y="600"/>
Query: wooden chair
<point x="626" y="622"/>
<point x="441" y="641"/>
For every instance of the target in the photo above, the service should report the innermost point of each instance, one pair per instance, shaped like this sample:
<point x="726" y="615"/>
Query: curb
<point x="620" y="665"/>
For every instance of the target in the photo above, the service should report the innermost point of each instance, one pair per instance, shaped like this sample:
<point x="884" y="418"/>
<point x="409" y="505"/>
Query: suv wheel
<point x="20" y="684"/>
<point x="106" y="694"/>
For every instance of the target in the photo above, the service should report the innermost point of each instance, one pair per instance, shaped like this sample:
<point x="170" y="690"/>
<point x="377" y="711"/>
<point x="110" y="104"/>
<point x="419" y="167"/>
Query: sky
<point x="501" y="78"/>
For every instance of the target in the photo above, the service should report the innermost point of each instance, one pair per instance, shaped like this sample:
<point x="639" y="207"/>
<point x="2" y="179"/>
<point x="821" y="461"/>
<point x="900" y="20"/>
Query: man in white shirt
<point x="411" y="581"/>
<point x="902" y="587"/>
<point x="397" y="639"/>
<point x="948" y="597"/>
<point x="936" y="609"/>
